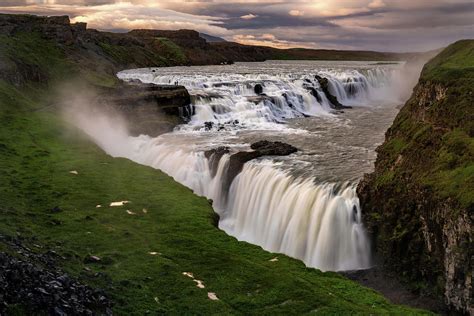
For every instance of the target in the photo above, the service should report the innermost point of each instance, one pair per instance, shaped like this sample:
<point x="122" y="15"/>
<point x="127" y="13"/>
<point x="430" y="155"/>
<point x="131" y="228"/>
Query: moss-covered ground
<point x="167" y="231"/>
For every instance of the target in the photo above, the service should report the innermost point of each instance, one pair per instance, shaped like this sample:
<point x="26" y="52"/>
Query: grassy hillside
<point x="167" y="231"/>
<point x="419" y="200"/>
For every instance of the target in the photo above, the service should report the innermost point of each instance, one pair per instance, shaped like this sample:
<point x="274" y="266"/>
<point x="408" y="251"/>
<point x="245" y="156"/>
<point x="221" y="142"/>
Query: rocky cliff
<point x="419" y="201"/>
<point x="148" y="109"/>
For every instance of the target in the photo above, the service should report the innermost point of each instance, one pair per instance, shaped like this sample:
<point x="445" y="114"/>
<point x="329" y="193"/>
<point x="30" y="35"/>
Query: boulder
<point x="258" y="89"/>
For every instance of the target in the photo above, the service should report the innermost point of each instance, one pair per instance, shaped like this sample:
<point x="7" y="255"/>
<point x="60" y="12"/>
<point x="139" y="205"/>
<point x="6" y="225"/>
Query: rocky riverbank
<point x="147" y="108"/>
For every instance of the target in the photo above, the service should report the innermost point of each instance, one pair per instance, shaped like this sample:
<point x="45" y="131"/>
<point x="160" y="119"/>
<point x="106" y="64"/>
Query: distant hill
<point x="158" y="48"/>
<point x="211" y="39"/>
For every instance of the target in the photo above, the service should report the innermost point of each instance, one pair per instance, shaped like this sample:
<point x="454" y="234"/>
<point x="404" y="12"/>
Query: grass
<point x="171" y="51"/>
<point x="453" y="63"/>
<point x="27" y="57"/>
<point x="38" y="151"/>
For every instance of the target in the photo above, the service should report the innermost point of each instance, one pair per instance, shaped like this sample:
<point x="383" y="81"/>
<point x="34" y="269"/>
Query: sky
<point x="381" y="25"/>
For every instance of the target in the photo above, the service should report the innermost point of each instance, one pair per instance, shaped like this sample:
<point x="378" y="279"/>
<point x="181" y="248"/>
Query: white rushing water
<point x="304" y="205"/>
<point x="229" y="98"/>
<point x="317" y="223"/>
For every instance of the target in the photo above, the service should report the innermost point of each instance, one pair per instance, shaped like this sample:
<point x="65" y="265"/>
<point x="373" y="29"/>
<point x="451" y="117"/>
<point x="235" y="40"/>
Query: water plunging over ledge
<point x="303" y="205"/>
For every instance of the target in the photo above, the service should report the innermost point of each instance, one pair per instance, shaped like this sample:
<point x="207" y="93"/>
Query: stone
<point x="324" y="83"/>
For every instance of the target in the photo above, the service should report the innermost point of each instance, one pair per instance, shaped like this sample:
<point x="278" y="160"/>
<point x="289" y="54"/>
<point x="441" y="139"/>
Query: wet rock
<point x="324" y="83"/>
<point x="208" y="125"/>
<point x="314" y="93"/>
<point x="261" y="148"/>
<point x="149" y="109"/>
<point x="214" y="156"/>
<point x="258" y="89"/>
<point x="266" y="148"/>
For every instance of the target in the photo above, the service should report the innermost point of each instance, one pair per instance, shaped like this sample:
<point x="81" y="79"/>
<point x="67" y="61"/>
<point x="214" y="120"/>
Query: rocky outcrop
<point x="214" y="156"/>
<point x="418" y="203"/>
<point x="56" y="28"/>
<point x="237" y="160"/>
<point x="324" y="84"/>
<point x="149" y="109"/>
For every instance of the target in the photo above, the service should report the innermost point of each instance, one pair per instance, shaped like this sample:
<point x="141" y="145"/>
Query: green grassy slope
<point x="37" y="152"/>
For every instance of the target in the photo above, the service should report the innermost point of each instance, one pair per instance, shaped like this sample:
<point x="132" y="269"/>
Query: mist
<point x="103" y="124"/>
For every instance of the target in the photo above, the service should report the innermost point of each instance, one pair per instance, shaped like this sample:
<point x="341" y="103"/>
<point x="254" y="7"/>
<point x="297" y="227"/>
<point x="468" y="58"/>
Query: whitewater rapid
<point x="304" y="205"/>
<point x="228" y="100"/>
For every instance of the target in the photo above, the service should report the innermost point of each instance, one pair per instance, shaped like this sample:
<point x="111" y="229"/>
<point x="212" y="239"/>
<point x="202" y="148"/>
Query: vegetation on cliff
<point x="419" y="202"/>
<point x="142" y="253"/>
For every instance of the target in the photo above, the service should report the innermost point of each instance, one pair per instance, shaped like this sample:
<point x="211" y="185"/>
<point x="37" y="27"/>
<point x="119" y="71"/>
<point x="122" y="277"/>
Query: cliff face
<point x="419" y="201"/>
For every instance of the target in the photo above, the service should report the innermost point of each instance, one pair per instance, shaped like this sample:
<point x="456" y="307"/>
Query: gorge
<point x="278" y="148"/>
<point x="283" y="206"/>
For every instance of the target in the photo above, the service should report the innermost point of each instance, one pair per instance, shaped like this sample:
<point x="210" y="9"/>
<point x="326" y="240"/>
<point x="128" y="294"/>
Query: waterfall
<point x="231" y="101"/>
<point x="319" y="224"/>
<point x="316" y="221"/>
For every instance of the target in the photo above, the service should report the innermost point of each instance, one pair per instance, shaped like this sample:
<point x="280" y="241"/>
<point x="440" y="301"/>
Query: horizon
<point x="364" y="25"/>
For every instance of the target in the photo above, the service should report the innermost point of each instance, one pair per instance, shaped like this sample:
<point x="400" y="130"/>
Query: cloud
<point x="401" y="25"/>
<point x="375" y="4"/>
<point x="266" y="39"/>
<point x="296" y="13"/>
<point x="249" y="16"/>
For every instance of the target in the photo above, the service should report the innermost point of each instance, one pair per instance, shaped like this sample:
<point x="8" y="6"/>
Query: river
<point x="304" y="205"/>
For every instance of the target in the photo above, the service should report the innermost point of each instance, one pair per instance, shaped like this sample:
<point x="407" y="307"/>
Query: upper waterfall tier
<point x="240" y="96"/>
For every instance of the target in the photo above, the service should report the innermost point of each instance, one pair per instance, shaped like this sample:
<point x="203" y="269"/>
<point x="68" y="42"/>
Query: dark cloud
<point x="266" y="21"/>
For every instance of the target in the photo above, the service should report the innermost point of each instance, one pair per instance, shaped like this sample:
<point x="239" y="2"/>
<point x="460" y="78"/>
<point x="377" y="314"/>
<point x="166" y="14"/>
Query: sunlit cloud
<point x="377" y="4"/>
<point x="296" y="13"/>
<point x="249" y="16"/>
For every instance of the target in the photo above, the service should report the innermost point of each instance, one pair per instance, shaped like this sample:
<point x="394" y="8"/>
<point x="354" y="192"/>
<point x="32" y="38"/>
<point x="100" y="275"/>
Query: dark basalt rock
<point x="33" y="282"/>
<point x="258" y="89"/>
<point x="324" y="83"/>
<point x="214" y="156"/>
<point x="314" y="93"/>
<point x="261" y="148"/>
<point x="266" y="148"/>
<point x="149" y="109"/>
<point x="208" y="125"/>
